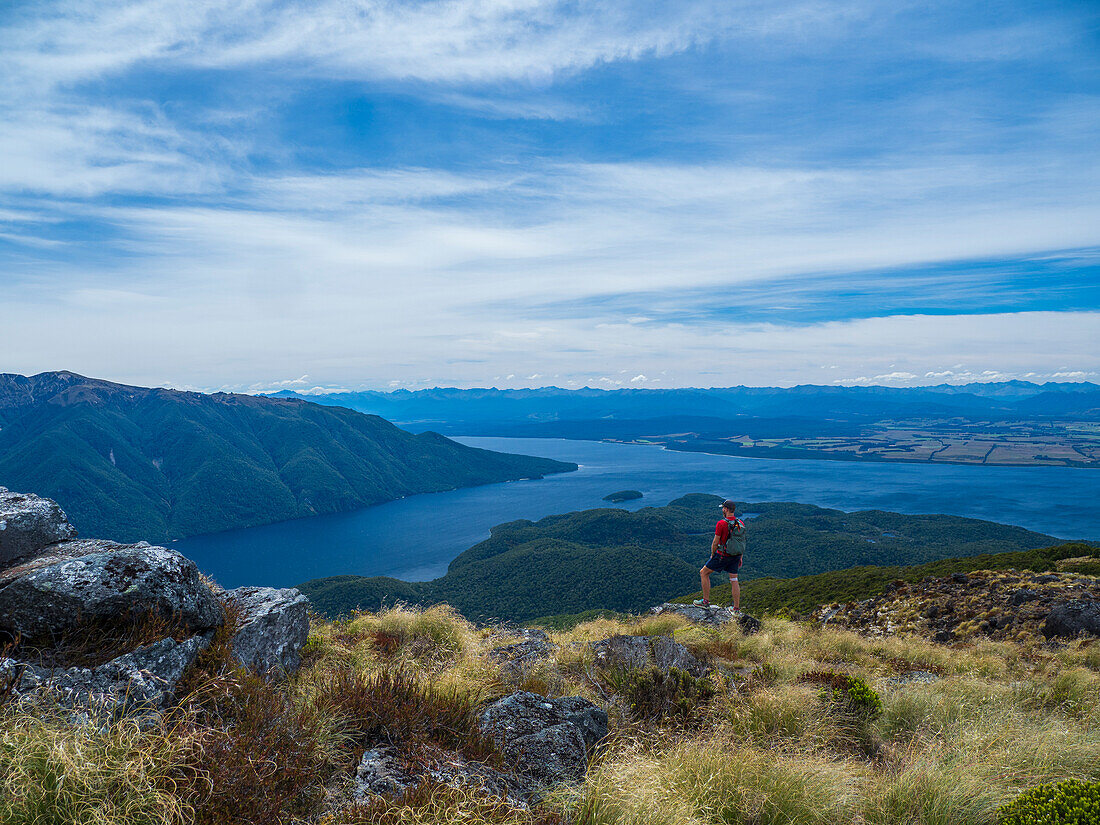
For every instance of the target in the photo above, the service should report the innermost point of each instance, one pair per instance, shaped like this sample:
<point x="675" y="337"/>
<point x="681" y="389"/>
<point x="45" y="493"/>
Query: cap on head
<point x="729" y="505"/>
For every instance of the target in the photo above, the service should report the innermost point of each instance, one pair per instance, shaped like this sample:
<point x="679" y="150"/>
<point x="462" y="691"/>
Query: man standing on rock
<point x="726" y="551"/>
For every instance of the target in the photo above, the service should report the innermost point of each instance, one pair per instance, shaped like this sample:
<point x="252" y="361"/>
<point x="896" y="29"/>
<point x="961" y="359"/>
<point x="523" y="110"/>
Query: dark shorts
<point x="724" y="564"/>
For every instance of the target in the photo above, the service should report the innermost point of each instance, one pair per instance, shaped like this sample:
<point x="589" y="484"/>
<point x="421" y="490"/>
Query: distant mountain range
<point x="627" y="561"/>
<point x="156" y="464"/>
<point x="546" y="410"/>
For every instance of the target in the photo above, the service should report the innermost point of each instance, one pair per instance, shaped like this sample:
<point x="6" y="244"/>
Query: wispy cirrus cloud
<point x="347" y="189"/>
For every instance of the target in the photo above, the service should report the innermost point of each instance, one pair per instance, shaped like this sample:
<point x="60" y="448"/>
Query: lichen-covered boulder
<point x="668" y="654"/>
<point x="713" y="616"/>
<point x="138" y="682"/>
<point x="273" y="627"/>
<point x="623" y="652"/>
<point x="29" y="523"/>
<point x="92" y="580"/>
<point x="536" y="644"/>
<point x="1071" y="618"/>
<point x="548" y="740"/>
<point x="383" y="771"/>
<point x="517" y="659"/>
<point x="661" y="652"/>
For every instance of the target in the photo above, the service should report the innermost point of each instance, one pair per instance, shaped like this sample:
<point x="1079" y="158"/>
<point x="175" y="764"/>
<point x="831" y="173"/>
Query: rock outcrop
<point x="547" y="740"/>
<point x="661" y="652"/>
<point x="55" y="588"/>
<point x="273" y="625"/>
<point x="1073" y="618"/>
<point x="90" y="580"/>
<point x="383" y="772"/>
<point x="137" y="682"/>
<point x="516" y="659"/>
<point x="1002" y="604"/>
<point x="28" y="524"/>
<point x="712" y="616"/>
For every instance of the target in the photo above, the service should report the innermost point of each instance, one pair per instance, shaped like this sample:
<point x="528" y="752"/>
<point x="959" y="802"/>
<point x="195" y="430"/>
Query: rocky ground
<point x="1005" y="605"/>
<point x="252" y="710"/>
<point x="100" y="626"/>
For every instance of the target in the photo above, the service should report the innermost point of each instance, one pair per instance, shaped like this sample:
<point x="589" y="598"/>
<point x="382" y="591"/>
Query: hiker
<point x="726" y="550"/>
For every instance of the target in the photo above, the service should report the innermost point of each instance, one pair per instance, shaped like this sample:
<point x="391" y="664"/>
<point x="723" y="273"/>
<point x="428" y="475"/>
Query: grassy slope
<point x="803" y="594"/>
<point x="617" y="560"/>
<point x="766" y="748"/>
<point x="131" y="463"/>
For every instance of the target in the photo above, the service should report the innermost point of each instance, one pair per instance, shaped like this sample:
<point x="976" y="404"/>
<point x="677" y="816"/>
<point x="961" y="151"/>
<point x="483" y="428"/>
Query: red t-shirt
<point x="722" y="530"/>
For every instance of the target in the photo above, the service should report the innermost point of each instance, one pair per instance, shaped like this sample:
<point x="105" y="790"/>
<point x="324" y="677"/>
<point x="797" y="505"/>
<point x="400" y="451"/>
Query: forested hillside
<point x="137" y="463"/>
<point x="618" y="560"/>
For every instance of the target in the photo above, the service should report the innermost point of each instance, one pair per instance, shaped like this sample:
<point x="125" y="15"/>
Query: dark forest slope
<point x="618" y="560"/>
<point x="156" y="464"/>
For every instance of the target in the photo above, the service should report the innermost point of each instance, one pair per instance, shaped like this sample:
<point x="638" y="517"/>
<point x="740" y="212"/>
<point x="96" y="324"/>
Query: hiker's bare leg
<point x="735" y="591"/>
<point x="704" y="577"/>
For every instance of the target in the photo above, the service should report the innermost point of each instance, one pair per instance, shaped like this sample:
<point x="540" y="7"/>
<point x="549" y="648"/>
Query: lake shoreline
<point x="400" y="538"/>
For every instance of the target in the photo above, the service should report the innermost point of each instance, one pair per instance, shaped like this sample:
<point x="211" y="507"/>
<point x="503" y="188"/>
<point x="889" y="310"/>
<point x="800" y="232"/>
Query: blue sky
<point x="365" y="194"/>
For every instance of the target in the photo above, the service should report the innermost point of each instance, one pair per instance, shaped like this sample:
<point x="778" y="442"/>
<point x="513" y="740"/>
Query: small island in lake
<point x="622" y="495"/>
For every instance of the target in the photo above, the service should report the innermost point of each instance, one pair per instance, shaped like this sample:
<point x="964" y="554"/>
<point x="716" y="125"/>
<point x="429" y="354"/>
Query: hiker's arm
<point x="714" y="543"/>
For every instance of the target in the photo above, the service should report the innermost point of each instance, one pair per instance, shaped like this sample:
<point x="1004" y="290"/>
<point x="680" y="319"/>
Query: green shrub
<point x="255" y="756"/>
<point x="847" y="695"/>
<point x="654" y="694"/>
<point x="1064" y="803"/>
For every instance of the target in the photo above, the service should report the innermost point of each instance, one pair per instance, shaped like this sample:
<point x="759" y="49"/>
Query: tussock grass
<point x="394" y="707"/>
<point x="711" y="780"/>
<point x="963" y="730"/>
<point x="431" y="803"/>
<point x="56" y="769"/>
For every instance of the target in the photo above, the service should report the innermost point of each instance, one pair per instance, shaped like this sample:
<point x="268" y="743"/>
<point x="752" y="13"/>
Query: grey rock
<point x="1070" y="619"/>
<point x="89" y="580"/>
<point x="518" y="659"/>
<point x="623" y="652"/>
<point x="668" y="654"/>
<point x="133" y="684"/>
<point x="912" y="677"/>
<point x="274" y="627"/>
<point x="826" y="614"/>
<point x="1022" y="595"/>
<point x="28" y="524"/>
<point x="523" y="651"/>
<point x="960" y="578"/>
<point x="712" y="616"/>
<point x="548" y="740"/>
<point x="382" y="773"/>
<point x="661" y="652"/>
<point x="534" y="634"/>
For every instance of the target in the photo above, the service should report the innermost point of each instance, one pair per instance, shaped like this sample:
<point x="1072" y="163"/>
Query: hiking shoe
<point x="701" y="603"/>
<point x="737" y="614"/>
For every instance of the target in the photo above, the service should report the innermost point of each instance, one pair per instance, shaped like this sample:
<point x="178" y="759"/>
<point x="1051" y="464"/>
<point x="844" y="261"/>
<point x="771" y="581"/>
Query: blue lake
<point x="415" y="538"/>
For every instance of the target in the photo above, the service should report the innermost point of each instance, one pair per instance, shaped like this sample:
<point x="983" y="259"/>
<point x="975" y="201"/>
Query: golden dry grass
<point x="982" y="722"/>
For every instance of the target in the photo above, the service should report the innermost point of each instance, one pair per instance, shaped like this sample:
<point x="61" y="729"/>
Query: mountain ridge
<point x="158" y="464"/>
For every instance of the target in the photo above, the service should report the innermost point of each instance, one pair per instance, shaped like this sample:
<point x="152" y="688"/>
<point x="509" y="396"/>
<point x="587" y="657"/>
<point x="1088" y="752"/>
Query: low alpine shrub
<point x="1064" y="803"/>
<point x="847" y="695"/>
<point x="654" y="694"/>
<point x="255" y="757"/>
